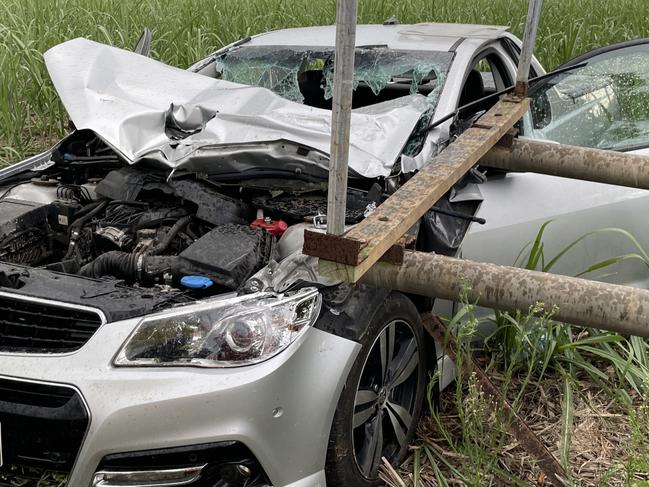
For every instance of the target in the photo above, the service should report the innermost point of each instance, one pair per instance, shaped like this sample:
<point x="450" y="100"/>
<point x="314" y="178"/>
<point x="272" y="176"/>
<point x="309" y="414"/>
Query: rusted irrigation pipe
<point x="582" y="302"/>
<point x="568" y="161"/>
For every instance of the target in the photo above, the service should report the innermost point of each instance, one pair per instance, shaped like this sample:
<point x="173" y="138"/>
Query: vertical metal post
<point x="346" y="11"/>
<point x="529" y="40"/>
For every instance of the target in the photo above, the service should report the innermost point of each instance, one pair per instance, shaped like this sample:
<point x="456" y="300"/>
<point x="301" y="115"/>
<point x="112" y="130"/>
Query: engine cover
<point x="230" y="254"/>
<point x="23" y="231"/>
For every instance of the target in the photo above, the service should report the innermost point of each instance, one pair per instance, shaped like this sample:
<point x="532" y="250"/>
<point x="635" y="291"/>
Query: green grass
<point x="468" y="442"/>
<point x="31" y="117"/>
<point x="26" y="476"/>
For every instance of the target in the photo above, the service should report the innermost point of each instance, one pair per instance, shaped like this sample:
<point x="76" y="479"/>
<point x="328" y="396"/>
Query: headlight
<point x="227" y="333"/>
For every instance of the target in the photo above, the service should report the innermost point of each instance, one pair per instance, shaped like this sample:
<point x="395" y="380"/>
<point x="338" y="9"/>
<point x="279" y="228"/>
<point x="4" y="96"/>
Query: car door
<point x="601" y="100"/>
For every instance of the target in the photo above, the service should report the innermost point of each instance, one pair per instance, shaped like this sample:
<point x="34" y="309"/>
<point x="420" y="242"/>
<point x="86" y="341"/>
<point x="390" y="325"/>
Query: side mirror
<point x="143" y="45"/>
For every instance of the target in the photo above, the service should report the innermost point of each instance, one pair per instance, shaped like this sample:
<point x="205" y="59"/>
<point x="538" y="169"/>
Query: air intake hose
<point x="114" y="263"/>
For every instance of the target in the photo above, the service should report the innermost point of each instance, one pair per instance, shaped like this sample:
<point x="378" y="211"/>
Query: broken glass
<point x="380" y="68"/>
<point x="421" y="72"/>
<point x="292" y="72"/>
<point x="275" y="68"/>
<point x="305" y="75"/>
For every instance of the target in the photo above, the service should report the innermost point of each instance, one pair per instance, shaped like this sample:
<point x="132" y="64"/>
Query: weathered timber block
<point x="332" y="247"/>
<point x="508" y="139"/>
<point x="392" y="219"/>
<point x="346" y="251"/>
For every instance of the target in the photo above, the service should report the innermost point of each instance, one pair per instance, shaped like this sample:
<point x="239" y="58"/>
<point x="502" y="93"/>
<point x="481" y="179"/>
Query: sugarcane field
<point x="351" y="243"/>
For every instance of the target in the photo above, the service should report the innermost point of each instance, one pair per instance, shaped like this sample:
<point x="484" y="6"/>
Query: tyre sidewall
<point x="342" y="469"/>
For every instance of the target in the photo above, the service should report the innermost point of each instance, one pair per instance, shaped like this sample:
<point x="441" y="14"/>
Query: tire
<point x="381" y="402"/>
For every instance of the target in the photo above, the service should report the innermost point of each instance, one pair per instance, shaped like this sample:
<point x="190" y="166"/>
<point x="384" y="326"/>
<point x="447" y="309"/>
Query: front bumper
<point x="281" y="409"/>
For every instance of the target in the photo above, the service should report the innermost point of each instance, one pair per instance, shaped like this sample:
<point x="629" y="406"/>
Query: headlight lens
<point x="229" y="333"/>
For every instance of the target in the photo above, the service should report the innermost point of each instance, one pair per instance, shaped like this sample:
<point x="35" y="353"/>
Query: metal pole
<point x="525" y="155"/>
<point x="621" y="309"/>
<point x="529" y="39"/>
<point x="346" y="11"/>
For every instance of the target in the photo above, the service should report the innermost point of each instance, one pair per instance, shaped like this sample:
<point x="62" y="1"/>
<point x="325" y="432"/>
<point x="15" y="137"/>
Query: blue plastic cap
<point x="196" y="282"/>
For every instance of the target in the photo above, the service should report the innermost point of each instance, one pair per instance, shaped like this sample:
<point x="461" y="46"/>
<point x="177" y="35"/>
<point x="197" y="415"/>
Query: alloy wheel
<point x="385" y="398"/>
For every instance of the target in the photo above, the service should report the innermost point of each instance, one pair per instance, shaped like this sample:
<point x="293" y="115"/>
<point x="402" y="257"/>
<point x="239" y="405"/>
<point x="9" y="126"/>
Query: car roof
<point x="425" y="36"/>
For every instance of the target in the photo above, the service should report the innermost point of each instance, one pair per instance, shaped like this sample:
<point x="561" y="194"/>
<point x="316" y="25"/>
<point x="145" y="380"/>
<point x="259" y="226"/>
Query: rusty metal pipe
<point x="341" y="113"/>
<point x="582" y="302"/>
<point x="568" y="161"/>
<point x="529" y="39"/>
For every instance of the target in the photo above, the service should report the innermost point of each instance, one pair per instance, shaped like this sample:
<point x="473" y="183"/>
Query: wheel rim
<point x="385" y="398"/>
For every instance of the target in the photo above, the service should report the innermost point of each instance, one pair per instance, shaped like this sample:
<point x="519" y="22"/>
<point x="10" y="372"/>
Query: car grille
<point x="37" y="327"/>
<point x="42" y="428"/>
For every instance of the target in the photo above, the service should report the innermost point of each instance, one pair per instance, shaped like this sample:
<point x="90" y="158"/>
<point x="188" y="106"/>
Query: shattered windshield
<point x="305" y="75"/>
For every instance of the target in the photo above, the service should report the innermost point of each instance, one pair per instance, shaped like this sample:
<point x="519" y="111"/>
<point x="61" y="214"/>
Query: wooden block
<point x="331" y="247"/>
<point x="345" y="251"/>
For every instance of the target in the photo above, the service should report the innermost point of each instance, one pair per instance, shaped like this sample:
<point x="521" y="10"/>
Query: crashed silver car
<point x="159" y="324"/>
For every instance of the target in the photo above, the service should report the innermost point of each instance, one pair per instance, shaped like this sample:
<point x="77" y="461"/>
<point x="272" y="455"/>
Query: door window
<point x="487" y="76"/>
<point x="601" y="101"/>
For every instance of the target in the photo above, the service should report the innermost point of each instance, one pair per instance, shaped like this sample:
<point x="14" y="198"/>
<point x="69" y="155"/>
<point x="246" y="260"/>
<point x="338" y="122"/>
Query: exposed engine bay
<point x="87" y="213"/>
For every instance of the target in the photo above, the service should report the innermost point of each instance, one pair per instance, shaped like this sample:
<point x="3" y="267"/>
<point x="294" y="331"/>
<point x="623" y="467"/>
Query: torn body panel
<point x="145" y="109"/>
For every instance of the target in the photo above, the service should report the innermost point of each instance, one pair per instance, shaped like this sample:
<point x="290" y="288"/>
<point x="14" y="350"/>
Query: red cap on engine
<point x="274" y="227"/>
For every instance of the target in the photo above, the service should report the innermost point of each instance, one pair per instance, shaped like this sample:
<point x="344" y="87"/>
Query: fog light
<point x="244" y="471"/>
<point x="235" y="474"/>
<point x="148" y="478"/>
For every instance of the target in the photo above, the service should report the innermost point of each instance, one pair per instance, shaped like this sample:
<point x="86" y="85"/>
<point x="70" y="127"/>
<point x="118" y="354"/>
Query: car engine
<point x="85" y="227"/>
<point x="87" y="213"/>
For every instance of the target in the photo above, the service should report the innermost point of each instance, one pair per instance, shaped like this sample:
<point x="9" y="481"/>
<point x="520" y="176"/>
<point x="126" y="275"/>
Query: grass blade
<point x="566" y="424"/>
<point x="439" y="476"/>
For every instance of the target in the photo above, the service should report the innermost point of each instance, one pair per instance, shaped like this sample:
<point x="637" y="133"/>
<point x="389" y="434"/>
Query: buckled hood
<point x="145" y="109"/>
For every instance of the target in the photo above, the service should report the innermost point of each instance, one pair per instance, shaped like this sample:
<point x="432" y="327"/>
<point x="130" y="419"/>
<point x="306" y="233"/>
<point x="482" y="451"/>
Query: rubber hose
<point x="78" y="224"/>
<point x="88" y="209"/>
<point x="115" y="263"/>
<point x="171" y="234"/>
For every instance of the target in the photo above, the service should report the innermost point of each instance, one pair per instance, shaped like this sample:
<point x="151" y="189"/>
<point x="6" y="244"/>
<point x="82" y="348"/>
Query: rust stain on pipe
<point x="602" y="166"/>
<point x="582" y="302"/>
